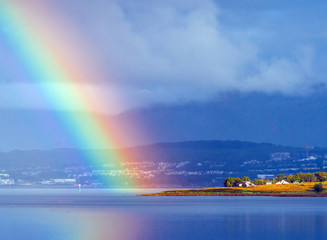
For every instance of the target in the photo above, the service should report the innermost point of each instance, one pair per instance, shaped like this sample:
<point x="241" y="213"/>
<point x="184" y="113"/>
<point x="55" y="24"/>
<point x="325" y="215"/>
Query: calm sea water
<point x="119" y="214"/>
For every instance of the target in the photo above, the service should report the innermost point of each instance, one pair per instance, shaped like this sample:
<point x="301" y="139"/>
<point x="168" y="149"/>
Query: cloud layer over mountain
<point x="150" y="52"/>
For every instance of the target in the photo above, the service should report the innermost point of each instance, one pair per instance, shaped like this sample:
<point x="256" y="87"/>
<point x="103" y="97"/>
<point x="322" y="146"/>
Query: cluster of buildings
<point x="6" y="180"/>
<point x="246" y="184"/>
<point x="59" y="181"/>
<point x="250" y="184"/>
<point x="202" y="172"/>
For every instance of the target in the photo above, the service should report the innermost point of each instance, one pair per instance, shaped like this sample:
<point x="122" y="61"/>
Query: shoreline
<point x="287" y="190"/>
<point x="233" y="195"/>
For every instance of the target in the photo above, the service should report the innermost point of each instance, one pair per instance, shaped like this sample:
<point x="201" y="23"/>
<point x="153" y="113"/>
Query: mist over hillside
<point x="291" y="121"/>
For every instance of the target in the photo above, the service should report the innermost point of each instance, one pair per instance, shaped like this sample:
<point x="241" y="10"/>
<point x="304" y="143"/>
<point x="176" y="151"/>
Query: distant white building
<point x="280" y="156"/>
<point x="248" y="184"/>
<point x="7" y="181"/>
<point x="282" y="182"/>
<point x="59" y="181"/>
<point x="268" y="183"/>
<point x="265" y="176"/>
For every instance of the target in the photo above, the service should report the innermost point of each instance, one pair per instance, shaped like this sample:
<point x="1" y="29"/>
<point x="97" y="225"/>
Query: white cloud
<point x="176" y="51"/>
<point x="184" y="45"/>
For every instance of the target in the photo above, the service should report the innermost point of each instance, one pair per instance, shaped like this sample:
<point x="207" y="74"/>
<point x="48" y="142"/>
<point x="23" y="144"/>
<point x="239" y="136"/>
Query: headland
<point x="285" y="190"/>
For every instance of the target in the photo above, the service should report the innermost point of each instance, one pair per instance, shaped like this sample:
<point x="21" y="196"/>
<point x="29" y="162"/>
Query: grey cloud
<point x="173" y="51"/>
<point x="166" y="43"/>
<point x="170" y="52"/>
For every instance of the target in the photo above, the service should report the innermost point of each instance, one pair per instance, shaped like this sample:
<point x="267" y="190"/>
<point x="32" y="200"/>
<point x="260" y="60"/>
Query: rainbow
<point x="33" y="34"/>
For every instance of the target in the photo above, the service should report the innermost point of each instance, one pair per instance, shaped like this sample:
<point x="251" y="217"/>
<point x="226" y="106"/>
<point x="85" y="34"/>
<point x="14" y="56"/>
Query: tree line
<point x="302" y="177"/>
<point x="234" y="182"/>
<point x="296" y="178"/>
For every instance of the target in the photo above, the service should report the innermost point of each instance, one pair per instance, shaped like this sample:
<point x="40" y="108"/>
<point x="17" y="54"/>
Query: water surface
<point x="102" y="214"/>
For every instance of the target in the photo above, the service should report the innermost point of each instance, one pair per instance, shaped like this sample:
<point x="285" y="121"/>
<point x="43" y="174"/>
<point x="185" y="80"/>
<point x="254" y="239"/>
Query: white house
<point x="248" y="184"/>
<point x="282" y="182"/>
<point x="268" y="183"/>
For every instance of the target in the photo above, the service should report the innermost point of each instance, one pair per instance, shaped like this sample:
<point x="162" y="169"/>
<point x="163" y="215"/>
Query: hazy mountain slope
<point x="231" y="152"/>
<point x="295" y="121"/>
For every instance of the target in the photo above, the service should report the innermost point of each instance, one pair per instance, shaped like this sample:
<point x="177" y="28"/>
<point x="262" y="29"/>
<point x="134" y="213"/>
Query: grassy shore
<point x="287" y="190"/>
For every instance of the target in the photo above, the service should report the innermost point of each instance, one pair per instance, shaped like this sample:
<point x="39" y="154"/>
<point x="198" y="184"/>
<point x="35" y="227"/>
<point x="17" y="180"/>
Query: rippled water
<point x="119" y="214"/>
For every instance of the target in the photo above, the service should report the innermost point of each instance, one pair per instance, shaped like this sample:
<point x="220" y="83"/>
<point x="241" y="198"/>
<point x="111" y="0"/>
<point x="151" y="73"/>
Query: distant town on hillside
<point x="181" y="164"/>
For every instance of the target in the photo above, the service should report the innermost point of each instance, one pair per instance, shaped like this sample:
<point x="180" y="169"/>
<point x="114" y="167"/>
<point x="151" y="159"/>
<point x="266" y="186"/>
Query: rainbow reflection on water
<point x="124" y="216"/>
